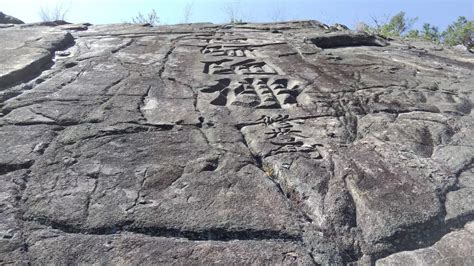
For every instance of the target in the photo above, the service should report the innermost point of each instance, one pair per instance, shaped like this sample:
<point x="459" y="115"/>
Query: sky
<point x="348" y="12"/>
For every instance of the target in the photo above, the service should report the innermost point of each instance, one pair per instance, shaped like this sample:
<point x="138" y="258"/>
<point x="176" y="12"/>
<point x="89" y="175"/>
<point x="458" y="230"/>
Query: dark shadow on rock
<point x="339" y="39"/>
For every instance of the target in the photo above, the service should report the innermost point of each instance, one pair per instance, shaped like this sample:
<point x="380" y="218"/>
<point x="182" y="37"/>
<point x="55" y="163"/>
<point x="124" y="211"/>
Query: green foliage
<point x="413" y="34"/>
<point x="397" y="25"/>
<point x="430" y="33"/>
<point x="460" y="32"/>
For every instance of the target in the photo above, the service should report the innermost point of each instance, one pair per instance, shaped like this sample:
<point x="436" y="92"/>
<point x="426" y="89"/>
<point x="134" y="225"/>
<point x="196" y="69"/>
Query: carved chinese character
<point x="262" y="93"/>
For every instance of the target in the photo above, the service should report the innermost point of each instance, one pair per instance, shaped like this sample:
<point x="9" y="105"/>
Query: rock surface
<point x="284" y="143"/>
<point x="456" y="248"/>
<point x="6" y="19"/>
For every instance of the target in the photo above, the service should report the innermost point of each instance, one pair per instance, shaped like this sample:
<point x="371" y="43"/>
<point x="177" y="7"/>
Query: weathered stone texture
<point x="6" y="19"/>
<point x="284" y="143"/>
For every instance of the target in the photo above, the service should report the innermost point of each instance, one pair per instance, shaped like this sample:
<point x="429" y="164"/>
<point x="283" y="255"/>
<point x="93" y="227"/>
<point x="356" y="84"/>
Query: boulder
<point x="6" y="19"/>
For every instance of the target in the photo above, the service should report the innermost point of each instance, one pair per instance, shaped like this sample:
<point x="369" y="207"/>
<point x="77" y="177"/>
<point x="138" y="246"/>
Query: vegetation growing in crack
<point x="233" y="12"/>
<point x="460" y="32"/>
<point x="151" y="18"/>
<point x="268" y="171"/>
<point x="53" y="13"/>
<point x="395" y="27"/>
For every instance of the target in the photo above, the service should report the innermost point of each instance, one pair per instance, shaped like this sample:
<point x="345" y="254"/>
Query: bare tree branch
<point x="57" y="12"/>
<point x="151" y="18"/>
<point x="187" y="12"/>
<point x="232" y="10"/>
<point x="277" y="14"/>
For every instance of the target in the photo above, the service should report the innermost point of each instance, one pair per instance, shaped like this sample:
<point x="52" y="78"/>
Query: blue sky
<point x="437" y="12"/>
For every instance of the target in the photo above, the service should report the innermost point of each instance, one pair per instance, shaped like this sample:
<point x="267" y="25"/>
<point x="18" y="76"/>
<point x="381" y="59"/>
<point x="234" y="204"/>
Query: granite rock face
<point x="455" y="248"/>
<point x="284" y="143"/>
<point x="6" y="19"/>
